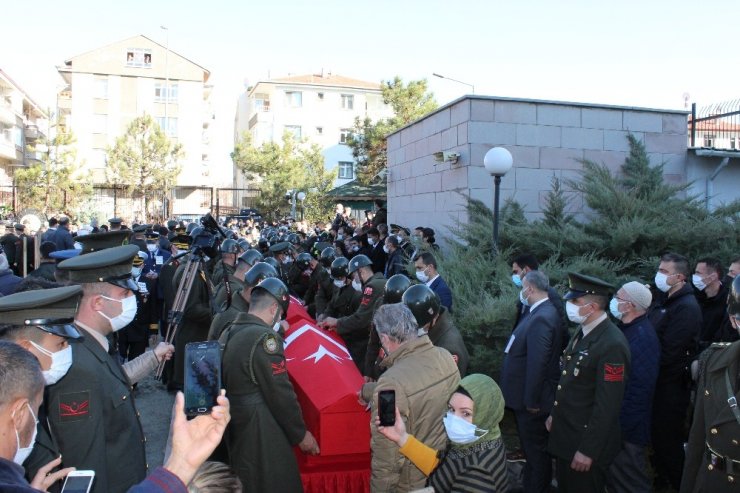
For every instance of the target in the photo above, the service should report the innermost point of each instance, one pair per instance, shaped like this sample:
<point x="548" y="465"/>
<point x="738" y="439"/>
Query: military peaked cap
<point x="112" y="265"/>
<point x="51" y="310"/>
<point x="582" y="285"/>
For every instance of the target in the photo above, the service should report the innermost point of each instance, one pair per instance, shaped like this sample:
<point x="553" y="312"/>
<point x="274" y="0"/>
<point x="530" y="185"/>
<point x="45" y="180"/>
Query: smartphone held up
<point x="202" y="377"/>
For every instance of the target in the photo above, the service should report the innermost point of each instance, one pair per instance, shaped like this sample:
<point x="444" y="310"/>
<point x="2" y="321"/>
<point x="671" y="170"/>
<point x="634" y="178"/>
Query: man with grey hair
<point x="423" y="377"/>
<point x="530" y="374"/>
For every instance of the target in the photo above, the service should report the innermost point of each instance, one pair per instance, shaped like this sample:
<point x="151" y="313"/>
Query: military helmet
<point x="359" y="261"/>
<point x="263" y="243"/>
<point x="190" y="227"/>
<point x="229" y="246"/>
<point x="243" y="244"/>
<point x="423" y="303"/>
<point x="340" y="268"/>
<point x="272" y="261"/>
<point x="327" y="256"/>
<point x="195" y="231"/>
<point x="259" y="272"/>
<point x="303" y="261"/>
<point x="229" y="234"/>
<point x="733" y="299"/>
<point x="278" y="290"/>
<point x="395" y="287"/>
<point x="251" y="256"/>
<point x="294" y="239"/>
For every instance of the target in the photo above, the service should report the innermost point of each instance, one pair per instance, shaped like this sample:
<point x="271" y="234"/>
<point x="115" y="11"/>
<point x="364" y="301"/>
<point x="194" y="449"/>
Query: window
<point x="344" y="135"/>
<point x="171" y="126"/>
<point x="294" y="99"/>
<point x="100" y="88"/>
<point x="348" y="101"/>
<point x="295" y="130"/>
<point x="261" y="102"/>
<point x="319" y="130"/>
<point x="708" y="140"/>
<point x="100" y="124"/>
<point x="161" y="90"/>
<point x="346" y="170"/>
<point x="321" y="96"/>
<point x="139" y="57"/>
<point x="733" y="143"/>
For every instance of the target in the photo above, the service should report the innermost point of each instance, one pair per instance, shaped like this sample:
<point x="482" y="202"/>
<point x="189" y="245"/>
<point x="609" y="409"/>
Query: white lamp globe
<point x="301" y="196"/>
<point x="498" y="161"/>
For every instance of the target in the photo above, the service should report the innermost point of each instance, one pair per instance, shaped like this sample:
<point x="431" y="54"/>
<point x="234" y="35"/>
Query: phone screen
<point x="202" y="376"/>
<point x="77" y="484"/>
<point x="387" y="407"/>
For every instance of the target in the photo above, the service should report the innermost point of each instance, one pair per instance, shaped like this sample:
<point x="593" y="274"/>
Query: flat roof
<point x="542" y="101"/>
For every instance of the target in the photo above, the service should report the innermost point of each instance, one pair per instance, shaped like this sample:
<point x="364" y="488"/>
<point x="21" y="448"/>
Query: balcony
<point x="7" y="115"/>
<point x="7" y="145"/>
<point x="32" y="132"/>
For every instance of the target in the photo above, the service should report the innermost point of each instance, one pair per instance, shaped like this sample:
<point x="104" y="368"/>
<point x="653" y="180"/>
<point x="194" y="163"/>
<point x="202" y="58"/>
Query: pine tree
<point x="144" y="161"/>
<point x="56" y="183"/>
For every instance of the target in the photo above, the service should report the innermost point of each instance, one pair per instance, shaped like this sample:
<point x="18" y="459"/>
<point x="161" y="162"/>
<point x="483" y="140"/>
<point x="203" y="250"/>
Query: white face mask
<point x="661" y="282"/>
<point x="698" y="282"/>
<point x="136" y="271"/>
<point x="180" y="252"/>
<point x="128" y="312"/>
<point x="573" y="313"/>
<point x="22" y="453"/>
<point x="152" y="247"/>
<point x="522" y="298"/>
<point x="357" y="285"/>
<point x="287" y="260"/>
<point x="78" y="245"/>
<point x="60" y="363"/>
<point x="338" y="283"/>
<point x="422" y="276"/>
<point x="460" y="431"/>
<point x="385" y="249"/>
<point x="372" y="241"/>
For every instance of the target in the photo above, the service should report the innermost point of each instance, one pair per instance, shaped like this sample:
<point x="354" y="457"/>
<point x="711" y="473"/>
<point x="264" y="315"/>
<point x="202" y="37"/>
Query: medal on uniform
<point x="575" y="372"/>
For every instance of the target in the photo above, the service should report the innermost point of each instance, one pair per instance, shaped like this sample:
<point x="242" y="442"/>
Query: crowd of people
<point x="97" y="315"/>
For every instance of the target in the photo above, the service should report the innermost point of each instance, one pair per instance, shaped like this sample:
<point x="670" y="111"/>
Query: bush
<point x="634" y="217"/>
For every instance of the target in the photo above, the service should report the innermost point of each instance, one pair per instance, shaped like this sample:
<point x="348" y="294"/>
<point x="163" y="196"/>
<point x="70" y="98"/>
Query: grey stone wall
<point x="545" y="138"/>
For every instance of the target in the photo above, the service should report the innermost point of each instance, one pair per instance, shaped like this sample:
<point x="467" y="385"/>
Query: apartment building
<point x="318" y="108"/>
<point x="22" y="123"/>
<point x="110" y="86"/>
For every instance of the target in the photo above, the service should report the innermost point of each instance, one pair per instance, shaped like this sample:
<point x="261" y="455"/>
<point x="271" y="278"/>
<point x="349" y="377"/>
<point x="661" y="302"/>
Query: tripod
<point x="193" y="267"/>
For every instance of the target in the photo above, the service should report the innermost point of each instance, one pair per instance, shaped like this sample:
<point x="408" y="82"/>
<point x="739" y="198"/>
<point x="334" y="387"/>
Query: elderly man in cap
<point x="40" y="321"/>
<point x="628" y="473"/>
<point x="91" y="410"/>
<point x="584" y="422"/>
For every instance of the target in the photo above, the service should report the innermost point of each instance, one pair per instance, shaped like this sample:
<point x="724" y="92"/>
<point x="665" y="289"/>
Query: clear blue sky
<point x="637" y="53"/>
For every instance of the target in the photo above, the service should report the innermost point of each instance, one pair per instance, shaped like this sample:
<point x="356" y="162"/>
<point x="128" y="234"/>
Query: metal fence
<point x="716" y="126"/>
<point x="179" y="202"/>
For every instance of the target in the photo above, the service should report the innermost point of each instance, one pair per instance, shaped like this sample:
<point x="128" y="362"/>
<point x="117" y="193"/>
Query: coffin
<point x="326" y="382"/>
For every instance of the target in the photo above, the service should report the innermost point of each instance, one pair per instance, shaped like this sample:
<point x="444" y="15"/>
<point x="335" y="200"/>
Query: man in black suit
<point x="522" y="265"/>
<point x="396" y="262"/>
<point x="530" y="375"/>
<point x="426" y="272"/>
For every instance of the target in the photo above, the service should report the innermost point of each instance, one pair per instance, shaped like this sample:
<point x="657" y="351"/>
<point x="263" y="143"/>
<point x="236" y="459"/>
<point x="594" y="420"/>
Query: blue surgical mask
<point x="614" y="309"/>
<point x="517" y="280"/>
<point x="460" y="431"/>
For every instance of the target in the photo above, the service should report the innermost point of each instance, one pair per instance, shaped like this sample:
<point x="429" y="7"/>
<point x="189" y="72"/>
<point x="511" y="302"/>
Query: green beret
<point x="52" y="310"/>
<point x="112" y="265"/>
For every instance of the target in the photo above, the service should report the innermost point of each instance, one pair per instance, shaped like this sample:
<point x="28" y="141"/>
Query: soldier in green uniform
<point x="240" y="302"/>
<point x="355" y="328"/>
<point x="91" y="410"/>
<point x="713" y="453"/>
<point x="226" y="265"/>
<point x="584" y="422"/>
<point x="226" y="289"/>
<point x="266" y="421"/>
<point x="437" y="322"/>
<point x="345" y="299"/>
<point x="318" y="282"/>
<point x="41" y="322"/>
<point x="281" y="253"/>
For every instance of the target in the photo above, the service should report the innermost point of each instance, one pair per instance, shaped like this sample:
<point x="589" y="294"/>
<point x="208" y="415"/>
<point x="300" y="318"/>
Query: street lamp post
<point x="498" y="162"/>
<point x="471" y="86"/>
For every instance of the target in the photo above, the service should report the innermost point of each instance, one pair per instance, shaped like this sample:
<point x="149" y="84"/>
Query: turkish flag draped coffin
<point x="326" y="382"/>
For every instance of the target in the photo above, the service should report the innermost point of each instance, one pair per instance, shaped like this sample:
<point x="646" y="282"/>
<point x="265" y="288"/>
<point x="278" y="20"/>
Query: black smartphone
<point x="387" y="407"/>
<point x="202" y="377"/>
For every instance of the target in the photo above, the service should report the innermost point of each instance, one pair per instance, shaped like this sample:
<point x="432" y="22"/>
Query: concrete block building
<point x="546" y="139"/>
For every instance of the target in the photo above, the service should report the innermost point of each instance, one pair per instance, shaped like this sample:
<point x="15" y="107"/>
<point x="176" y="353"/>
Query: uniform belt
<point x="246" y="399"/>
<point x="722" y="462"/>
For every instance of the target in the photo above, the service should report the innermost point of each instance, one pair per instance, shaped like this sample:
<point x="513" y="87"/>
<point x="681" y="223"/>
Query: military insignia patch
<point x="613" y="372"/>
<point x="74" y="406"/>
<point x="368" y="291"/>
<point x="278" y="368"/>
<point x="270" y="344"/>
